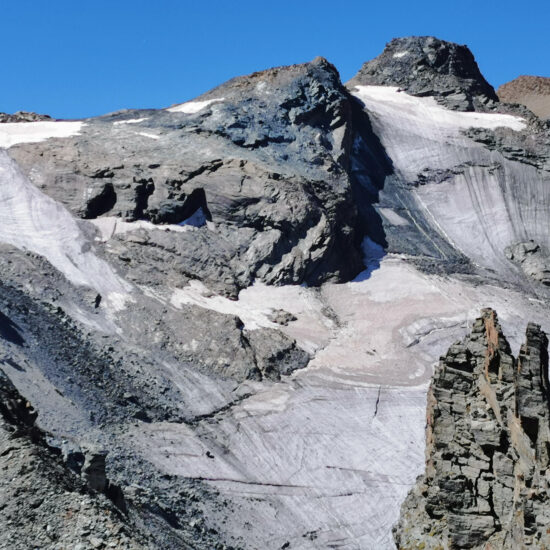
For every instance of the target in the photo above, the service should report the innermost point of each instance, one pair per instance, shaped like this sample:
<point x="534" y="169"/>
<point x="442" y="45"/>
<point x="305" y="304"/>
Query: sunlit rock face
<point x="486" y="480"/>
<point x="241" y="299"/>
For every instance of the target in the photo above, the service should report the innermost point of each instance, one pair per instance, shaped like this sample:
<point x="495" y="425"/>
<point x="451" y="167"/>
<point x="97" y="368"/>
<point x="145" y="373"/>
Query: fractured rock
<point x="487" y="447"/>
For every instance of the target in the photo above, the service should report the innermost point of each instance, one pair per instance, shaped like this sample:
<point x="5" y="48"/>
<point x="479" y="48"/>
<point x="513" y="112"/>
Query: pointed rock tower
<point x="487" y="450"/>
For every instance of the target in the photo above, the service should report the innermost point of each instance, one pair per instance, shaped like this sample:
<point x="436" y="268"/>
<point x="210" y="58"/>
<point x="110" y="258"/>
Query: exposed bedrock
<point x="427" y="66"/>
<point x="264" y="159"/>
<point x="487" y="451"/>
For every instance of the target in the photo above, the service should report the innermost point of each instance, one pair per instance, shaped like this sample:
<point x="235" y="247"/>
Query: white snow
<point x="393" y="217"/>
<point x="192" y="107"/>
<point x="337" y="444"/>
<point x="12" y="133"/>
<point x="129" y="121"/>
<point x="146" y="134"/>
<point x="427" y="113"/>
<point x="109" y="226"/>
<point x="398" y="55"/>
<point x="35" y="222"/>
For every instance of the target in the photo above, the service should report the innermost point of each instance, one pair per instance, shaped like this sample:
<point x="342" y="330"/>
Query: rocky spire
<point x="427" y="66"/>
<point x="487" y="448"/>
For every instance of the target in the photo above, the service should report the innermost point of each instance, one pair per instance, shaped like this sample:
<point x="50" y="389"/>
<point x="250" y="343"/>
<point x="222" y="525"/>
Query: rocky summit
<point x="219" y="320"/>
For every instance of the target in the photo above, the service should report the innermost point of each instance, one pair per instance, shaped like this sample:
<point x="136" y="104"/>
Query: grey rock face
<point x="424" y="65"/>
<point x="533" y="260"/>
<point x="267" y="163"/>
<point x="487" y="454"/>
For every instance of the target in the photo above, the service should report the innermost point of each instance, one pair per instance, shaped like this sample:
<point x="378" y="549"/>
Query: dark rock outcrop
<point x="488" y="443"/>
<point x="427" y="66"/>
<point x="23" y="116"/>
<point x="267" y="162"/>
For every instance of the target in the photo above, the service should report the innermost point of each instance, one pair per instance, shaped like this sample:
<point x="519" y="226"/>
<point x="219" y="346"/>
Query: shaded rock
<point x="267" y="163"/>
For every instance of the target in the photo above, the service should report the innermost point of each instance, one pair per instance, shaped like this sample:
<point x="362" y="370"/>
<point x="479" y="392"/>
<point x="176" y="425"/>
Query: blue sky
<point x="74" y="59"/>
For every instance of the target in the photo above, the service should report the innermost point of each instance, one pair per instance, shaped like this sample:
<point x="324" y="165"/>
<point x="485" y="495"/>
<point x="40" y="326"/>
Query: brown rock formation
<point x="531" y="91"/>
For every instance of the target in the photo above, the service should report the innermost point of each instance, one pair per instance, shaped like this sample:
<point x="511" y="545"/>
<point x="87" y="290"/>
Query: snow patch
<point x="426" y="112"/>
<point x="400" y="54"/>
<point x="393" y="217"/>
<point x="129" y="121"/>
<point x="145" y="134"/>
<point x="109" y="226"/>
<point x="192" y="107"/>
<point x="12" y="133"/>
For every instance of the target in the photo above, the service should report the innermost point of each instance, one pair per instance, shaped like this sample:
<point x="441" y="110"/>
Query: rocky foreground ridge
<point x="488" y="447"/>
<point x="225" y="313"/>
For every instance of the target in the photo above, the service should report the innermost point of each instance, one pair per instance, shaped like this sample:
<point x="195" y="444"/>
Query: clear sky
<point x="78" y="58"/>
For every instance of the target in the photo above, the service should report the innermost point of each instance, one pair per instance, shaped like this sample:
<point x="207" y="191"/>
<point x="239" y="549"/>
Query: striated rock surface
<point x="531" y="91"/>
<point x="488" y="443"/>
<point x="427" y="66"/>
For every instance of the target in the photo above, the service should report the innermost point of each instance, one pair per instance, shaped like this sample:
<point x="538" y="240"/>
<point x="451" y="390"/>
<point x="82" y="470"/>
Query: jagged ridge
<point x="487" y="451"/>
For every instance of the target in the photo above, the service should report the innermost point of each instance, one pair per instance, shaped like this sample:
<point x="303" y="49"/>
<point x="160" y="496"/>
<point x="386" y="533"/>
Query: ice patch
<point x="193" y="106"/>
<point x="197" y="219"/>
<point x="12" y="133"/>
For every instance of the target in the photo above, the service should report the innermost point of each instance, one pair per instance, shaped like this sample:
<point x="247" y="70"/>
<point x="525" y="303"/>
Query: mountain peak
<point x="428" y="66"/>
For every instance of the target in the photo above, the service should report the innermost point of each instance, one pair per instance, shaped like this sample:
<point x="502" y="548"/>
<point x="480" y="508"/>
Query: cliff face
<point x="488" y="443"/>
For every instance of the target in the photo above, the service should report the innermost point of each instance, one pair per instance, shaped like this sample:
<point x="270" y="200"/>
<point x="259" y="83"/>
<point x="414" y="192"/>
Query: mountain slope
<point x="239" y="300"/>
<point x="531" y="91"/>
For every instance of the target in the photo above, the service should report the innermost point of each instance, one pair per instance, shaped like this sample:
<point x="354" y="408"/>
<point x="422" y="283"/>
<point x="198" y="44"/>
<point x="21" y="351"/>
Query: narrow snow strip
<point x="12" y="133"/>
<point x="35" y="222"/>
<point x="400" y="54"/>
<point x="388" y="100"/>
<point x="129" y="121"/>
<point x="109" y="226"/>
<point x="193" y="106"/>
<point x="145" y="134"/>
